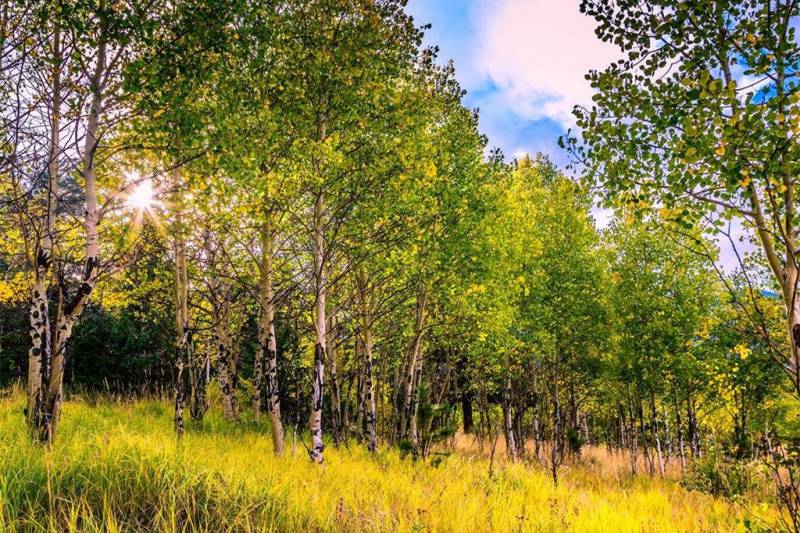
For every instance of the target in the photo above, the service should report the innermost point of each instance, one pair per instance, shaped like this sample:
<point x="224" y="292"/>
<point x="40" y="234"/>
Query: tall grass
<point x="118" y="467"/>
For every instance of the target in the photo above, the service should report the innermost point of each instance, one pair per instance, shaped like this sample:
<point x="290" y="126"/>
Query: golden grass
<point x="118" y="467"/>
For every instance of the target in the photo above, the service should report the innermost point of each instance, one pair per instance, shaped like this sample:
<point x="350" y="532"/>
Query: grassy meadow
<point x="118" y="467"/>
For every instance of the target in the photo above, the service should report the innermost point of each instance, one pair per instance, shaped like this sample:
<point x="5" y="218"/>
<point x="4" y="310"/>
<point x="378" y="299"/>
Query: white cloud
<point x="519" y="153"/>
<point x="537" y="53"/>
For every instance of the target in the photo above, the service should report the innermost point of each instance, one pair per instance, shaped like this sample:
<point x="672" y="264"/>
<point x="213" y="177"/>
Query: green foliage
<point x="575" y="441"/>
<point x="715" y="474"/>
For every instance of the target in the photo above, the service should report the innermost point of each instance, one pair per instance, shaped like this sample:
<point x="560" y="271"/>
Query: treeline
<point x="290" y="199"/>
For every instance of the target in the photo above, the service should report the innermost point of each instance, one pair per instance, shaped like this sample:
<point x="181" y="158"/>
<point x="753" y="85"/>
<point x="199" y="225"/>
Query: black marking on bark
<point x="319" y="357"/>
<point x="91" y="264"/>
<point x="42" y="260"/>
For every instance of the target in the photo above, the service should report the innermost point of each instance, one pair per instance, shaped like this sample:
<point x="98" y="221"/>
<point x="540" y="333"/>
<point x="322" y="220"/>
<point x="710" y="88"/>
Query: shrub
<point x="722" y="476"/>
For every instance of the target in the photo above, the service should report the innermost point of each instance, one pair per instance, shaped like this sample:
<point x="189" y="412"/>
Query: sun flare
<point x="142" y="197"/>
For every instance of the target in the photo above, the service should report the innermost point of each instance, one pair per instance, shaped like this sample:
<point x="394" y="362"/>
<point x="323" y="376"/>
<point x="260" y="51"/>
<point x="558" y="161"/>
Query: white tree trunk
<point x="511" y="442"/>
<point x="40" y="348"/>
<point x="267" y="385"/>
<point x="408" y="417"/>
<point x="336" y="403"/>
<point x="220" y="290"/>
<point x="315" y="420"/>
<point x="370" y="412"/>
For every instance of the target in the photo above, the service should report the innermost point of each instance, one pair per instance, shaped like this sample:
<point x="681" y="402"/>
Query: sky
<point x="522" y="63"/>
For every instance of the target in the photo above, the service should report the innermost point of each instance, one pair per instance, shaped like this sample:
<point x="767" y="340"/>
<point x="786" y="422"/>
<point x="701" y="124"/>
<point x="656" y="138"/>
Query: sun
<point x="142" y="198"/>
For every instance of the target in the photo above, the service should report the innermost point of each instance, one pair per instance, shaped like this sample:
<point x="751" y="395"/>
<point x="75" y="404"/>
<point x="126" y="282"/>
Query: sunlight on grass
<point x="117" y="467"/>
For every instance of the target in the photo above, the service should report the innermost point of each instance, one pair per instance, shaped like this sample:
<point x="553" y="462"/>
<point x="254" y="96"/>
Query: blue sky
<point x="522" y="63"/>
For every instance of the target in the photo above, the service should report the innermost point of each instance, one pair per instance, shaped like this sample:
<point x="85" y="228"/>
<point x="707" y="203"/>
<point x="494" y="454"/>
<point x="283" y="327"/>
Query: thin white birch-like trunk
<point x="220" y="308"/>
<point x="511" y="443"/>
<point x="40" y="348"/>
<point x="370" y="414"/>
<point x="336" y="403"/>
<point x="267" y="359"/>
<point x="315" y="420"/>
<point x="183" y="332"/>
<point x="408" y="418"/>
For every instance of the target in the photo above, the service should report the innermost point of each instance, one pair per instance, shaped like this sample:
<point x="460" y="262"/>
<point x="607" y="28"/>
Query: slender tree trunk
<point x="413" y="429"/>
<point x="655" y="431"/>
<point x="584" y="418"/>
<point x="182" y="380"/>
<point x="667" y="435"/>
<point x="336" y="402"/>
<point x="360" y="393"/>
<point x="679" y="430"/>
<point x="646" y="439"/>
<point x="220" y="296"/>
<point x="346" y="405"/>
<point x="694" y="439"/>
<point x="633" y="436"/>
<point x="40" y="349"/>
<point x="268" y="387"/>
<point x="320" y="325"/>
<point x="413" y="365"/>
<point x="366" y="300"/>
<point x="184" y="335"/>
<point x="260" y="356"/>
<point x="199" y="377"/>
<point x="556" y="446"/>
<point x="222" y="344"/>
<point x="198" y="384"/>
<point x="508" y="425"/>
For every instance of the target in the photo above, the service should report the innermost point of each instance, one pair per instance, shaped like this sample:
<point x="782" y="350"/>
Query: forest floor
<point x="118" y="467"/>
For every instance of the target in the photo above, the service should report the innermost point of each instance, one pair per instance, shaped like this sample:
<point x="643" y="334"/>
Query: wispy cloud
<point x="522" y="62"/>
<point x="537" y="52"/>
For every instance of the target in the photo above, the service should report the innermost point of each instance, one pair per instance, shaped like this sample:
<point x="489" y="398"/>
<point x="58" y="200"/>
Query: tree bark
<point x="320" y="326"/>
<point x="556" y="444"/>
<point x="508" y="424"/>
<point x="655" y="432"/>
<point x="46" y="375"/>
<point x="267" y="386"/>
<point x="220" y="311"/>
<point x="336" y="402"/>
<point x="360" y="394"/>
<point x="413" y="366"/>
<point x="182" y="384"/>
<point x="73" y="310"/>
<point x="691" y="419"/>
<point x="366" y="300"/>
<point x="679" y="431"/>
<point x="40" y="349"/>
<point x="184" y="337"/>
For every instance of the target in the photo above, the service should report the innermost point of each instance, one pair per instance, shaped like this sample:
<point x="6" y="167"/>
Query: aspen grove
<point x="282" y="217"/>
